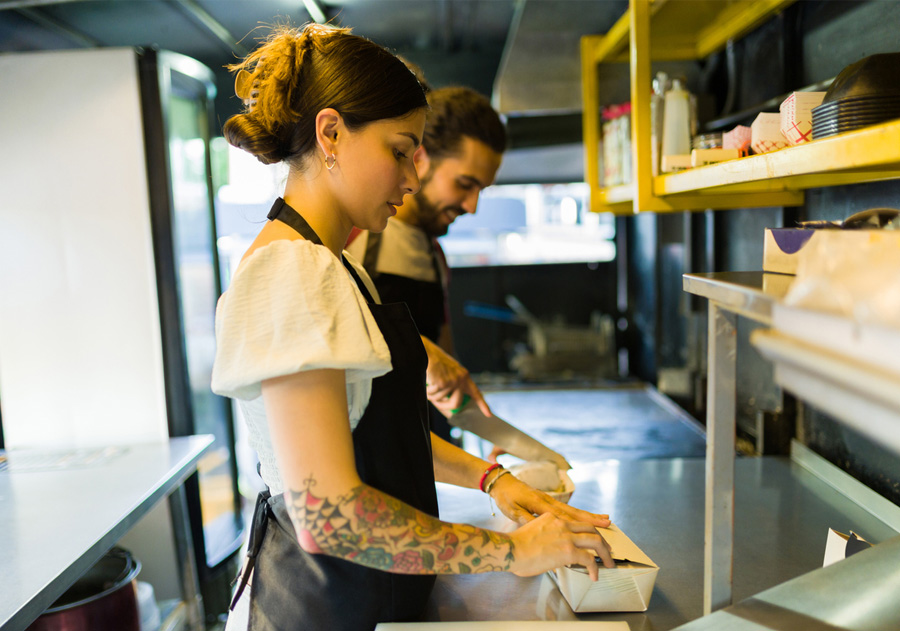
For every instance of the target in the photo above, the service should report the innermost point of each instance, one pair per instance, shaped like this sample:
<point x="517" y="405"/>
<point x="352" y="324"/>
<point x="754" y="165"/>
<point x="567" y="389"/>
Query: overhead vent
<point x="540" y="72"/>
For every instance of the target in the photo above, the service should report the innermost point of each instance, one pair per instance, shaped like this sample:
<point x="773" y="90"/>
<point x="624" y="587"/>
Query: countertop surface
<point x="782" y="518"/>
<point x="61" y="511"/>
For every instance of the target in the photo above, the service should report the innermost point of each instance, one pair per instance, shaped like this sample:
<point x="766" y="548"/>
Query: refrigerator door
<point x="178" y="93"/>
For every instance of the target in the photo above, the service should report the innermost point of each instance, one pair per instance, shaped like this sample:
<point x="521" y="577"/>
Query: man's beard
<point x="428" y="218"/>
<point x="428" y="214"/>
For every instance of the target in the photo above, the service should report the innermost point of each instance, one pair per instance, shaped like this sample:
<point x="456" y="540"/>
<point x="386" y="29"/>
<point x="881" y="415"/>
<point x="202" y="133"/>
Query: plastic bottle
<point x="657" y="108"/>
<point x="624" y="130"/>
<point x="612" y="173"/>
<point x="677" y="121"/>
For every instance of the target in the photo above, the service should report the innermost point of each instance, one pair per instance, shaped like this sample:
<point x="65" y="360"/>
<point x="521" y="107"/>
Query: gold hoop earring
<point x="333" y="161"/>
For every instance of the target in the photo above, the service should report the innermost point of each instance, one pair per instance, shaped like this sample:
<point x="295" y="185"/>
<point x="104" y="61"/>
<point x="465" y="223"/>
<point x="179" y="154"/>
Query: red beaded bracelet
<point x="485" y="475"/>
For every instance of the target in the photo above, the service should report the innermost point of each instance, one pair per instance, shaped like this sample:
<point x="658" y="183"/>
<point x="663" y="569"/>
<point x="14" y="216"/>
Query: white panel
<point x="80" y="349"/>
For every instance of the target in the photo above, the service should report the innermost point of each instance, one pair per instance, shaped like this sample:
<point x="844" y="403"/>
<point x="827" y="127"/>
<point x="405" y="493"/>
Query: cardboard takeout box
<point x="781" y="248"/>
<point x="765" y="133"/>
<point x="627" y="587"/>
<point x="796" y="116"/>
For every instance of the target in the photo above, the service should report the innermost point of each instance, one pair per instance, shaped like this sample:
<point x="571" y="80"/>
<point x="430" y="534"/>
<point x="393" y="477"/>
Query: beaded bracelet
<point x="485" y="475"/>
<point x="494" y="481"/>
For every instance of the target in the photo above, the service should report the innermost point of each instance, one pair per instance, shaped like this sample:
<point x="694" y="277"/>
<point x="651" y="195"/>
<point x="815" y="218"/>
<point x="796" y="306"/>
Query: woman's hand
<point x="521" y="503"/>
<point x="548" y="542"/>
<point x="448" y="382"/>
<point x="559" y="535"/>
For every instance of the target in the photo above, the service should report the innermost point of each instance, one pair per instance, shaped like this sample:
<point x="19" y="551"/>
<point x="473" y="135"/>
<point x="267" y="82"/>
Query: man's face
<point x="451" y="185"/>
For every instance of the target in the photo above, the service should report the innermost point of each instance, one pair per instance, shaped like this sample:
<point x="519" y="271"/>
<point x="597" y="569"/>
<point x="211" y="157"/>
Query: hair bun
<point x="244" y="132"/>
<point x="296" y="73"/>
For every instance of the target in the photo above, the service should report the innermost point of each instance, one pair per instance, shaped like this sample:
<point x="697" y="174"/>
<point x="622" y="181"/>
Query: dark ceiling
<point x="468" y="42"/>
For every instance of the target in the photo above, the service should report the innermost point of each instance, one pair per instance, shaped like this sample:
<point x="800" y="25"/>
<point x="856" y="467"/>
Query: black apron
<point x="427" y="302"/>
<point x="292" y="589"/>
<point x="426" y="299"/>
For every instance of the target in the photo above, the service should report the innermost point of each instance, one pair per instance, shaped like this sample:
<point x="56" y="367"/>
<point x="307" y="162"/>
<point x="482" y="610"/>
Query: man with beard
<point x="459" y="157"/>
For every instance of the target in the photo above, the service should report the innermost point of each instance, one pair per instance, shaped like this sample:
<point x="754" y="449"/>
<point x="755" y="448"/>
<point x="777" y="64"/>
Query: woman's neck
<point x="318" y="208"/>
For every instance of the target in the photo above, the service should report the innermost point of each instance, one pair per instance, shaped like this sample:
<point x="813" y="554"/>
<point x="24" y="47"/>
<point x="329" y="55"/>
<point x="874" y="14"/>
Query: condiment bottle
<point x="677" y="121"/>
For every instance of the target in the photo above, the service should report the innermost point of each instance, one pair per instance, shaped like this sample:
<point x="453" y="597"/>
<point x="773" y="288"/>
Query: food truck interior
<point x="569" y="300"/>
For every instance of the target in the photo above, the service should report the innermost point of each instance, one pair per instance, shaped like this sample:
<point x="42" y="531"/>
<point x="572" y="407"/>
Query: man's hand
<point x="448" y="382"/>
<point x="496" y="451"/>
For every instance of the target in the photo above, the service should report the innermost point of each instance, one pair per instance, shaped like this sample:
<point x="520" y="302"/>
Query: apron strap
<point x="359" y="282"/>
<point x="373" y="247"/>
<point x="284" y="213"/>
<point x="254" y="544"/>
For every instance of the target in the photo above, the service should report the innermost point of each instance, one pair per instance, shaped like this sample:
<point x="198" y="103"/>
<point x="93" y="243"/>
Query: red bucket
<point x="104" y="599"/>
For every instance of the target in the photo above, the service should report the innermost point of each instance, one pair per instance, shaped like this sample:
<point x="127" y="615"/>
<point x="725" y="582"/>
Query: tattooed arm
<point x="335" y="513"/>
<point x="374" y="529"/>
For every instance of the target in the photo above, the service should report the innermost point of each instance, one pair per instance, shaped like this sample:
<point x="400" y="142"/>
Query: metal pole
<point x="718" y="558"/>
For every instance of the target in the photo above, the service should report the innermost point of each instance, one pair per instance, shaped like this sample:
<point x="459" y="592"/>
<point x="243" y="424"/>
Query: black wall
<point x="809" y="43"/>
<point x="570" y="291"/>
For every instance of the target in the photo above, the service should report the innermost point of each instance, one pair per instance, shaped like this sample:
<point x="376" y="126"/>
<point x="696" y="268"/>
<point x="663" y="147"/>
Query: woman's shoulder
<point x="291" y="254"/>
<point x="292" y="307"/>
<point x="283" y="275"/>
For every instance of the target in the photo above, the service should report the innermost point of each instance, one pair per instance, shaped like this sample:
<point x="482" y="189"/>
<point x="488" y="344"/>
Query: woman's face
<point x="376" y="164"/>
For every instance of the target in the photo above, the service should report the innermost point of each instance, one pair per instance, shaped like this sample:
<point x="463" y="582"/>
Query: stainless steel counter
<point x="55" y="523"/>
<point x="858" y="593"/>
<point x="782" y="517"/>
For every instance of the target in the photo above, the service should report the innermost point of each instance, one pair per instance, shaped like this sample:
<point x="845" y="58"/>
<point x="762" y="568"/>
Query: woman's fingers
<point x="549" y="542"/>
<point x="514" y="491"/>
<point x="518" y="514"/>
<point x="596" y="545"/>
<point x="576" y="514"/>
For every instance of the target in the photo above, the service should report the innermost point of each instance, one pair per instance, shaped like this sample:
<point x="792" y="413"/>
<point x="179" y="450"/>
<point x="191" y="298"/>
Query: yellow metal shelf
<point x="688" y="29"/>
<point x="619" y="200"/>
<point x="776" y="178"/>
<point x="615" y="199"/>
<point x="693" y="29"/>
<point x="864" y="155"/>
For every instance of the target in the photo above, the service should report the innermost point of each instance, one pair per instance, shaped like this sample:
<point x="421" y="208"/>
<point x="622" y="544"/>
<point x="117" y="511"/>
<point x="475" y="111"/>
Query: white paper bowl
<point x="564" y="495"/>
<point x="528" y="470"/>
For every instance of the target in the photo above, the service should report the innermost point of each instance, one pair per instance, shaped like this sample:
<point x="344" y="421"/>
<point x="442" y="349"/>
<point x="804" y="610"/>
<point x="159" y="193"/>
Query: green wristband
<point x="466" y="399"/>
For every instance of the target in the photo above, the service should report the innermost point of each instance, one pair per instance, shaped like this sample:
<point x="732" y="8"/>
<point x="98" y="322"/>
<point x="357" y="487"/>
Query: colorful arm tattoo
<point x="374" y="529"/>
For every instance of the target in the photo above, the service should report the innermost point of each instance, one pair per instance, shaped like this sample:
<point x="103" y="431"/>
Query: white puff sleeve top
<point x="293" y="306"/>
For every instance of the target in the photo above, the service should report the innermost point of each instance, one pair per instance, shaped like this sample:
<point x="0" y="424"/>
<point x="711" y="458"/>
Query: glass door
<point x="189" y="286"/>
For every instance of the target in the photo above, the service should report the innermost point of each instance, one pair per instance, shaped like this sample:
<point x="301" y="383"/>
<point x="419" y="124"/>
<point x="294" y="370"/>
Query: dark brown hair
<point x="297" y="72"/>
<point x="457" y="112"/>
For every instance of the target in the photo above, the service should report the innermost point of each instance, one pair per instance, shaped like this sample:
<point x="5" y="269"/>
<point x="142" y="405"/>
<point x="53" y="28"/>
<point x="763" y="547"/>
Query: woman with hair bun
<point x="331" y="382"/>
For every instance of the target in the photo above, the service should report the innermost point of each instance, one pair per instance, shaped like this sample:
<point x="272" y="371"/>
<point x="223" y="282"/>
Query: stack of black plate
<point x="865" y="93"/>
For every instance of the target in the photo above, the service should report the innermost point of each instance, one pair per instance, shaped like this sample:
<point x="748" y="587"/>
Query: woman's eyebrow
<point x="411" y="136"/>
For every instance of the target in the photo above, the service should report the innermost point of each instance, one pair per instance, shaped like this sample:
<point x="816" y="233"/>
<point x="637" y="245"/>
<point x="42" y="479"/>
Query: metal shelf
<point x="687" y="29"/>
<point x="833" y="366"/>
<point x="749" y="294"/>
<point x="862" y="395"/>
<point x="40" y="557"/>
<point x="865" y="155"/>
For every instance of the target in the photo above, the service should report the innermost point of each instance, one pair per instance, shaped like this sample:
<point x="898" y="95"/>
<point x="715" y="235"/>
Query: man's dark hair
<point x="457" y="112"/>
